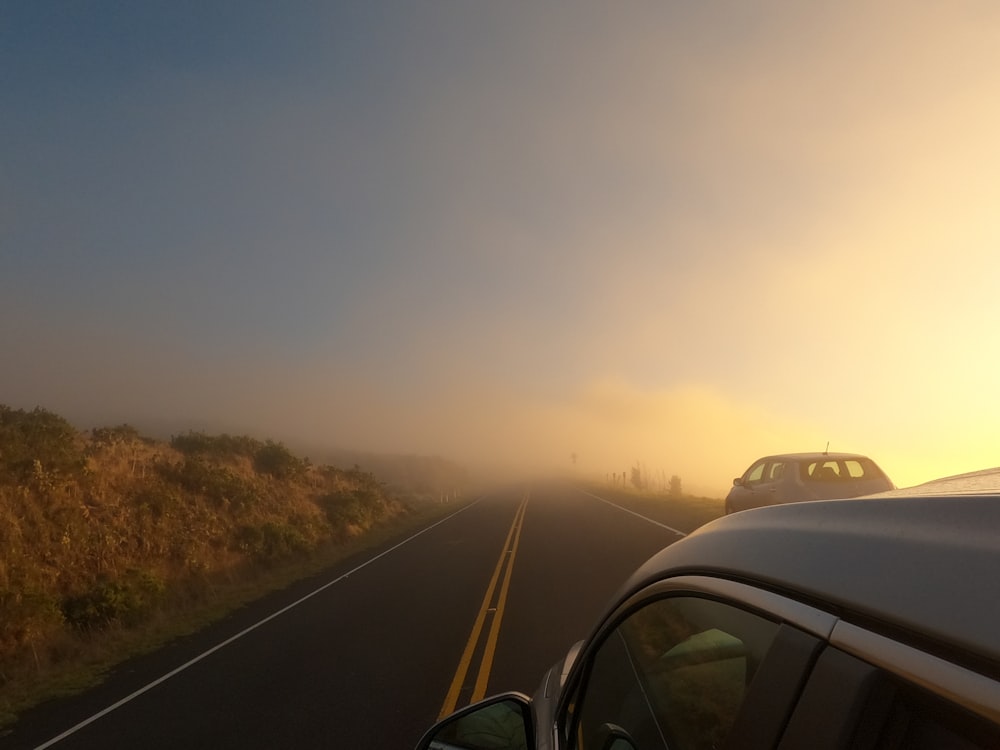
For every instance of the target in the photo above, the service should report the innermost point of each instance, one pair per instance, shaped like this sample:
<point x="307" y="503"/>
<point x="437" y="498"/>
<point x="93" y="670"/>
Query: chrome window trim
<point x="811" y="620"/>
<point x="971" y="690"/>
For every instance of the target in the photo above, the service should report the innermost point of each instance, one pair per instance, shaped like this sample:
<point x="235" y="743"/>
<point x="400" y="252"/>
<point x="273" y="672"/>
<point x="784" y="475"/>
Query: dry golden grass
<point x="110" y="542"/>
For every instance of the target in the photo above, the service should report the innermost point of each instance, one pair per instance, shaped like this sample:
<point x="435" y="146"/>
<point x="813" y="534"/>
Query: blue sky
<point x="673" y="233"/>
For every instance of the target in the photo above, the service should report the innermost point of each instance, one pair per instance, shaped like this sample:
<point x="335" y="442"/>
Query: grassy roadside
<point x="112" y="543"/>
<point x="94" y="658"/>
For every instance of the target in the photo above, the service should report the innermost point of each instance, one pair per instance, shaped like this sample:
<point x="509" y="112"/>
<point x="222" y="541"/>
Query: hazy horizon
<point x="673" y="234"/>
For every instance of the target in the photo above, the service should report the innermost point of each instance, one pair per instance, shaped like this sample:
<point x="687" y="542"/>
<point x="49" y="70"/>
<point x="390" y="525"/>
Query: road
<point x="370" y="654"/>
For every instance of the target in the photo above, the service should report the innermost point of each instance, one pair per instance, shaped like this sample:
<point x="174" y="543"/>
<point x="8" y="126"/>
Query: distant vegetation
<point x="104" y="530"/>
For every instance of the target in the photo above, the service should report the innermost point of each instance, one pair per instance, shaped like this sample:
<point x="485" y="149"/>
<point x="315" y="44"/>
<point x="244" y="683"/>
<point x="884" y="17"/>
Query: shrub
<point x="109" y="436"/>
<point x="37" y="442"/>
<point x="219" y="484"/>
<point x="360" y="507"/>
<point x="218" y="447"/>
<point x="26" y="617"/>
<point x="158" y="500"/>
<point x="277" y="461"/>
<point x="675" y="486"/>
<point x="126" y="601"/>
<point x="638" y="480"/>
<point x="270" y="541"/>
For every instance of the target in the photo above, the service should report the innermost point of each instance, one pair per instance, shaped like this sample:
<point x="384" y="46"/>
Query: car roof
<point x="817" y="456"/>
<point x="926" y="566"/>
<point x="984" y="482"/>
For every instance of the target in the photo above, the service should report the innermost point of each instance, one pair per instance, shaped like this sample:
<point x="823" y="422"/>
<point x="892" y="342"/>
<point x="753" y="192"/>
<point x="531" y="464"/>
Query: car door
<point x="685" y="669"/>
<point x="763" y="484"/>
<point x="774" y="487"/>
<point x="917" y="703"/>
<point x="743" y="494"/>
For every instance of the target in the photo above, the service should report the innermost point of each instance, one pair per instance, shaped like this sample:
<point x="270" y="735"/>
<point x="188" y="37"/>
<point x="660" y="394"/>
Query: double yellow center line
<point x="502" y="574"/>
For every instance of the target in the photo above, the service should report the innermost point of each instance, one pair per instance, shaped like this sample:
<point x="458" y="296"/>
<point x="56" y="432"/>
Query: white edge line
<point x="209" y="652"/>
<point x="637" y="515"/>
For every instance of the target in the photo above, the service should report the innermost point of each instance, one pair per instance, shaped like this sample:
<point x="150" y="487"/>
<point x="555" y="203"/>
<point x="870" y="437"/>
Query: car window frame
<point x="769" y="472"/>
<point x="659" y="653"/>
<point x="810" y="622"/>
<point x="953" y="684"/>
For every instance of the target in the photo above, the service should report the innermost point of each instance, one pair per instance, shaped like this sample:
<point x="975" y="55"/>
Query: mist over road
<point x="370" y="653"/>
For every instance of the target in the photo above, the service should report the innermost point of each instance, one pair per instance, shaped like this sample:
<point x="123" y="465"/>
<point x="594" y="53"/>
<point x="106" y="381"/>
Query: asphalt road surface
<point x="372" y="652"/>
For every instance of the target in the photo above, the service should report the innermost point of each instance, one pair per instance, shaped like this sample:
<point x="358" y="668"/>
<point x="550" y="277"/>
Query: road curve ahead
<point x="371" y="653"/>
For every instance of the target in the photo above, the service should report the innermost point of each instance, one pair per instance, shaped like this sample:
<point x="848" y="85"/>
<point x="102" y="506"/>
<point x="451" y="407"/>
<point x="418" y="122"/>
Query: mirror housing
<point x="502" y="722"/>
<point x="738" y="482"/>
<point x="613" y="737"/>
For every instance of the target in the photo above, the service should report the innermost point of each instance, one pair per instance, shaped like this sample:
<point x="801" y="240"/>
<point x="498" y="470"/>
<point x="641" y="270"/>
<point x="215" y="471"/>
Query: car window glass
<point x="855" y="469"/>
<point x="756" y="472"/>
<point x="672" y="675"/>
<point x="918" y="720"/>
<point x="823" y="471"/>
<point x="776" y="471"/>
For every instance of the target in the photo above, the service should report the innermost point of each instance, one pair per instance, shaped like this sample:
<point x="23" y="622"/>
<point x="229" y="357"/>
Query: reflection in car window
<point x="928" y="723"/>
<point x="672" y="675"/>
<point x="500" y="725"/>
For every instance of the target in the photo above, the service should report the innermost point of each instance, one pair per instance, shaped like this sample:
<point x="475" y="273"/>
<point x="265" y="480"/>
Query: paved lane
<point x="576" y="551"/>
<point x="367" y="659"/>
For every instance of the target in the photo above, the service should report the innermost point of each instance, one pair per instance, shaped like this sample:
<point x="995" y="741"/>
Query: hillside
<point x="102" y="531"/>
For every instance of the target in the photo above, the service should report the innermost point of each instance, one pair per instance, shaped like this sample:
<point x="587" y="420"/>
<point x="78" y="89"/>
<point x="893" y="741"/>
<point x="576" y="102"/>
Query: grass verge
<point x="91" y="662"/>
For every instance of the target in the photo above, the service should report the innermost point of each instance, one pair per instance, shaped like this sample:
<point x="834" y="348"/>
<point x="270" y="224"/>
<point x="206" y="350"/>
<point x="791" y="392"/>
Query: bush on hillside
<point x="125" y="601"/>
<point x="28" y="616"/>
<point x="218" y="447"/>
<point x="219" y="484"/>
<point x="271" y="542"/>
<point x="277" y="461"/>
<point x="356" y="507"/>
<point x="36" y="445"/>
<point x="105" y="437"/>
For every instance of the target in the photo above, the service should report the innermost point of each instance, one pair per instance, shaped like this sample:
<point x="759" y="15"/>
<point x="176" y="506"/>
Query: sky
<point x="662" y="234"/>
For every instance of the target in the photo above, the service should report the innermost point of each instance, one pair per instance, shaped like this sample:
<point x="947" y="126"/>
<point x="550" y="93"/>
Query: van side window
<point x="672" y="675"/>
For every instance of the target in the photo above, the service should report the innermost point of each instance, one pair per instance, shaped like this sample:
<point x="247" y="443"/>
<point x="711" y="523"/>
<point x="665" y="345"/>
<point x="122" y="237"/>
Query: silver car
<point x="795" y="477"/>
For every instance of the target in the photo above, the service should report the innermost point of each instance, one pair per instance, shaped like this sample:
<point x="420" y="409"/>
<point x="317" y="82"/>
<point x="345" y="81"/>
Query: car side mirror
<point x="500" y="723"/>
<point x="613" y="737"/>
<point x="738" y="482"/>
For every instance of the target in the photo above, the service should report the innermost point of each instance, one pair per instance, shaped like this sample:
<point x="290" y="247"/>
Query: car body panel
<point x="924" y="564"/>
